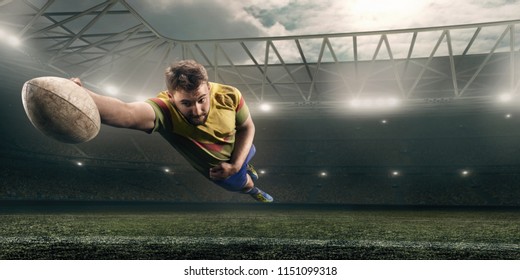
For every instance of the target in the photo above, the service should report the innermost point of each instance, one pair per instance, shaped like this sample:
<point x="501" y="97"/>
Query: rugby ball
<point x="61" y="109"/>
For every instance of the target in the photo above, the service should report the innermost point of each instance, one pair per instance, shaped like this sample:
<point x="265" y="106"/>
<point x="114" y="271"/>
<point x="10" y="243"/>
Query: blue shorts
<point x="237" y="181"/>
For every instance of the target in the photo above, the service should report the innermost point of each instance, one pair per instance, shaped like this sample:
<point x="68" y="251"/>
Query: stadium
<point x="390" y="144"/>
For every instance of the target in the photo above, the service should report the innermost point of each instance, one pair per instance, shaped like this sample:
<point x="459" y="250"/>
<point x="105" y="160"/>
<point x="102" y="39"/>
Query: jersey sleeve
<point x="242" y="111"/>
<point x="162" y="114"/>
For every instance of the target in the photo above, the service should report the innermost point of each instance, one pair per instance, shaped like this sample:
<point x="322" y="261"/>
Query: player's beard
<point x="198" y="120"/>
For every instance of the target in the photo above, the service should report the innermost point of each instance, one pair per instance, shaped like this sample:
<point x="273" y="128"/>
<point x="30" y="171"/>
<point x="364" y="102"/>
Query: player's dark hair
<point x="185" y="75"/>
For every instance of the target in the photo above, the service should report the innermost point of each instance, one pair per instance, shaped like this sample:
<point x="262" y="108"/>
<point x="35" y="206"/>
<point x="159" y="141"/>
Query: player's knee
<point x="249" y="183"/>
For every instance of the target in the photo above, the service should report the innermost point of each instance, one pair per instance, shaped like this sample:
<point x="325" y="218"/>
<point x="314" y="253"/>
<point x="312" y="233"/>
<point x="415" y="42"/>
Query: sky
<point x="217" y="19"/>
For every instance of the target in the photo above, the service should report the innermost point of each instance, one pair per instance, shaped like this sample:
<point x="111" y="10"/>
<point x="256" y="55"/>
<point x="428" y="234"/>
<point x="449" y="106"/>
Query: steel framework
<point x="109" y="42"/>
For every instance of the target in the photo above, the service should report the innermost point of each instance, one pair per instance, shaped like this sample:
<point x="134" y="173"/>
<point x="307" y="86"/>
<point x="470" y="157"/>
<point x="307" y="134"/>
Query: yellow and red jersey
<point x="205" y="145"/>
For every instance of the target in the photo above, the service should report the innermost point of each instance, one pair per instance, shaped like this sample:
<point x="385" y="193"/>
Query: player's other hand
<point x="222" y="171"/>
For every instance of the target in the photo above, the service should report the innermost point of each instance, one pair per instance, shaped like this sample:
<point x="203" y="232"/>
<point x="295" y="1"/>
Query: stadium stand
<point x="357" y="156"/>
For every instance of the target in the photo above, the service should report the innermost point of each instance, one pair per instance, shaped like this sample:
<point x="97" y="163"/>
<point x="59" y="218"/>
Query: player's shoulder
<point x="225" y="96"/>
<point x="161" y="103"/>
<point x="160" y="99"/>
<point x="163" y="95"/>
<point x="217" y="88"/>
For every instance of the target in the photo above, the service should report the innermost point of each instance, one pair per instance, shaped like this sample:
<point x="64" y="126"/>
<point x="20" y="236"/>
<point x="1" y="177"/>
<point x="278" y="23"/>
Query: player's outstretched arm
<point x="114" y="112"/>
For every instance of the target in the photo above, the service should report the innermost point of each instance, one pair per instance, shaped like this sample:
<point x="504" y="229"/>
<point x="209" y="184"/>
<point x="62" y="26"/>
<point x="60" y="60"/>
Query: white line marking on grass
<point x="224" y="241"/>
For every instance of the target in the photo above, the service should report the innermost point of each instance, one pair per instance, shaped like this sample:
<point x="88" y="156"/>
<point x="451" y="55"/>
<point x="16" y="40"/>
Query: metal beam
<point x="452" y="65"/>
<point x="35" y="17"/>
<point x="427" y="63"/>
<point x="76" y="16"/>
<point x="483" y="64"/>
<point x="83" y="30"/>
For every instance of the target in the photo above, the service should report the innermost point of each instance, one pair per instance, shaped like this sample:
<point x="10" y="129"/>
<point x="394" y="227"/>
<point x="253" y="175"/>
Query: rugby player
<point x="208" y="123"/>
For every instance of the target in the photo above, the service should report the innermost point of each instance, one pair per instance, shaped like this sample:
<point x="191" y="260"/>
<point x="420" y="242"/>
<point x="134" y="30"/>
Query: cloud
<point x="371" y="15"/>
<point x="449" y="12"/>
<point x="330" y="16"/>
<point x="196" y="20"/>
<point x="291" y="16"/>
<point x="214" y="19"/>
<point x="223" y="19"/>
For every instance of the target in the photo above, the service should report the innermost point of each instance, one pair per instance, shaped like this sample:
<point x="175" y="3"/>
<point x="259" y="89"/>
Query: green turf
<point x="261" y="233"/>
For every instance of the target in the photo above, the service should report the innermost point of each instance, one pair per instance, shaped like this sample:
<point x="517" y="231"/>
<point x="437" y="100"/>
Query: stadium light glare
<point x="374" y="103"/>
<point x="323" y="174"/>
<point x="79" y="163"/>
<point x="112" y="90"/>
<point x="395" y="173"/>
<point x="393" y="101"/>
<point x="265" y="107"/>
<point x="262" y="171"/>
<point x="464" y="173"/>
<point x="505" y="97"/>
<point x="9" y="38"/>
<point x="355" y="103"/>
<point x="508" y="116"/>
<point x="167" y="170"/>
<point x="139" y="98"/>
<point x="13" y="41"/>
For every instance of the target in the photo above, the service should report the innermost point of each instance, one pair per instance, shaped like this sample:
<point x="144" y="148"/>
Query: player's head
<point x="186" y="75"/>
<point x="189" y="90"/>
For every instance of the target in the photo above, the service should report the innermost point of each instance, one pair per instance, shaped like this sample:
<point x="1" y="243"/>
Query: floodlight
<point x="168" y="171"/>
<point x="367" y="103"/>
<point x="355" y="103"/>
<point x="374" y="102"/>
<point x="323" y="174"/>
<point x="380" y="102"/>
<point x="13" y="41"/>
<point x="9" y="38"/>
<point x="112" y="90"/>
<point x="393" y="101"/>
<point x="139" y="98"/>
<point x="79" y="163"/>
<point x="505" y="97"/>
<point x="265" y="107"/>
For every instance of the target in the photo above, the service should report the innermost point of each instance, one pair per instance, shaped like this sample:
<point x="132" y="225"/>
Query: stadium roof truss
<point x="108" y="42"/>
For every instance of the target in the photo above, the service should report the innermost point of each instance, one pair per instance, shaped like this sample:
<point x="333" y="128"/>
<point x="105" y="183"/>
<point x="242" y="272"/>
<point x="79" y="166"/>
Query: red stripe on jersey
<point x="209" y="146"/>
<point x="164" y="107"/>
<point x="240" y="104"/>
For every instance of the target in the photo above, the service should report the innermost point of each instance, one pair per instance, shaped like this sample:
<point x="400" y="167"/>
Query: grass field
<point x="71" y="230"/>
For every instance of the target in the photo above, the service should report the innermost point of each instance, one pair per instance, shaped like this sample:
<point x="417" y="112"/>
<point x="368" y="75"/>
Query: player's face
<point x="194" y="106"/>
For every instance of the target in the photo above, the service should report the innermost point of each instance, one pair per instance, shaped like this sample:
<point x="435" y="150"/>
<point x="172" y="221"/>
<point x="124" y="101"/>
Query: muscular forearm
<point x="243" y="141"/>
<point x="114" y="112"/>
